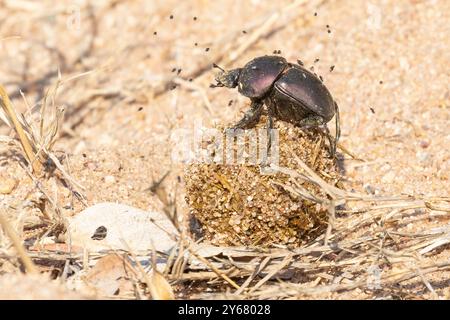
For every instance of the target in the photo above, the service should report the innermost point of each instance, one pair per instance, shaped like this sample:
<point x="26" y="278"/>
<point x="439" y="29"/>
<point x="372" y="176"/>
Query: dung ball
<point x="235" y="201"/>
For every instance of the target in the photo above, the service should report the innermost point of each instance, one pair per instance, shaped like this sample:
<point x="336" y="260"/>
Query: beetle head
<point x="228" y="78"/>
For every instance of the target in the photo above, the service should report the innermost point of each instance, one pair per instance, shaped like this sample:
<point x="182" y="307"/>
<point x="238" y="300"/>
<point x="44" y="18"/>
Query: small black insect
<point x="140" y="108"/>
<point x="315" y="14"/>
<point x="207" y="49"/>
<point x="331" y="68"/>
<point x="372" y="109"/>
<point x="171" y="17"/>
<point x="196" y="44"/>
<point x="290" y="92"/>
<point x="316" y="60"/>
<point x="230" y="103"/>
<point x="194" y="18"/>
<point x="178" y="71"/>
<point x="190" y="79"/>
<point x="300" y="62"/>
<point x="244" y="32"/>
<point x="155" y="33"/>
<point x="174" y="69"/>
<point x="381" y="82"/>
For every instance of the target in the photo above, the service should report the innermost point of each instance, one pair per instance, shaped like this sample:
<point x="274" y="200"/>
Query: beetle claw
<point x="218" y="67"/>
<point x="217" y="85"/>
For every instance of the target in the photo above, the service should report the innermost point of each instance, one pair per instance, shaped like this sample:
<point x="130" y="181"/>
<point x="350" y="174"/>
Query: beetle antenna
<point x="218" y="67"/>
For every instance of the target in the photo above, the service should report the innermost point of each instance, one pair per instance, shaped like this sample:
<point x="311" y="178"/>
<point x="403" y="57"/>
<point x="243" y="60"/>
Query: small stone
<point x="109" y="180"/>
<point x="388" y="177"/>
<point x="369" y="189"/>
<point x="424" y="144"/>
<point x="7" y="185"/>
<point x="422" y="156"/>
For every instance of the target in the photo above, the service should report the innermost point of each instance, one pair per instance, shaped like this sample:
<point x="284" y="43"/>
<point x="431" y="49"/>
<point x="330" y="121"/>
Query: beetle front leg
<point x="338" y="125"/>
<point x="251" y="117"/>
<point x="332" y="141"/>
<point x="269" y="127"/>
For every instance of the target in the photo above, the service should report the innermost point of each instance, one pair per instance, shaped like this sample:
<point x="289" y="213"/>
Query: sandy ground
<point x="391" y="81"/>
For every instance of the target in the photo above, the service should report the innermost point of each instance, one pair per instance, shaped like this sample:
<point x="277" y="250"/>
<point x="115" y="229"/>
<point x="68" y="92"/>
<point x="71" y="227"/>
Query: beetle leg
<point x="317" y="121"/>
<point x="338" y="125"/>
<point x="269" y="127"/>
<point x="331" y="141"/>
<point x="251" y="117"/>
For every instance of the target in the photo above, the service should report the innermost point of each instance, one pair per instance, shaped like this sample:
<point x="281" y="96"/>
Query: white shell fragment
<point x="125" y="227"/>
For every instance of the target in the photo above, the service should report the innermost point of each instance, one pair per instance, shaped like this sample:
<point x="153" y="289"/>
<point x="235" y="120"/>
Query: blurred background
<point x="131" y="72"/>
<point x="390" y="77"/>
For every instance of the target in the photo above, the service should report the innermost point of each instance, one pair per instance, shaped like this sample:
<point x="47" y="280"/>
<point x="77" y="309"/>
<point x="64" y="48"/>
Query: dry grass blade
<point x="24" y="140"/>
<point x="278" y="268"/>
<point x="213" y="268"/>
<point x="258" y="269"/>
<point x="159" y="288"/>
<point x="27" y="262"/>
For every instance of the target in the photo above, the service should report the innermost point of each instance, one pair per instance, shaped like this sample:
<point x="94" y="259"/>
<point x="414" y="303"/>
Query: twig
<point x="213" y="268"/>
<point x="282" y="264"/>
<point x="258" y="269"/>
<point x="27" y="262"/>
<point x="7" y="106"/>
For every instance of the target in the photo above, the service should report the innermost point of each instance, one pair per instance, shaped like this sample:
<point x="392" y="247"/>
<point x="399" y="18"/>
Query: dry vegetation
<point x="92" y="91"/>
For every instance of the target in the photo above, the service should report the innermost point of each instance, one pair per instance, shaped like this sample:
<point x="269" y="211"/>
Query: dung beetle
<point x="290" y="92"/>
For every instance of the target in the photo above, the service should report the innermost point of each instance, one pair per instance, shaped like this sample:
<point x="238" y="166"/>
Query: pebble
<point x="422" y="156"/>
<point x="7" y="185"/>
<point x="424" y="144"/>
<point x="369" y="189"/>
<point x="109" y="180"/>
<point x="388" y="177"/>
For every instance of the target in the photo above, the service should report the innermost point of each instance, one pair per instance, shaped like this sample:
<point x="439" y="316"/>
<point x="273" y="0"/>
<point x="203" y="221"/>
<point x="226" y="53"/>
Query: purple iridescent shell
<point x="258" y="76"/>
<point x="304" y="87"/>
